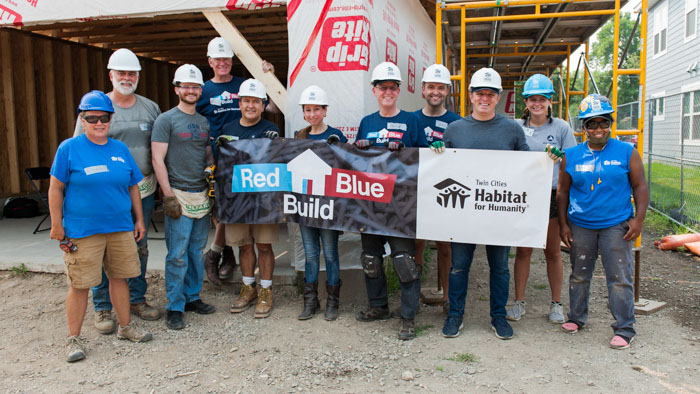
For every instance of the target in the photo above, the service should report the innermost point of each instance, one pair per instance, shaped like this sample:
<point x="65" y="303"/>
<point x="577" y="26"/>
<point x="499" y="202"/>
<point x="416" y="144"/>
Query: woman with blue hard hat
<point x="92" y="196"/>
<point x="596" y="180"/>
<point x="542" y="132"/>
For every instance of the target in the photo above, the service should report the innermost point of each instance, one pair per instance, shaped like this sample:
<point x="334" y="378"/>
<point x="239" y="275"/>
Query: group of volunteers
<point x="104" y="181"/>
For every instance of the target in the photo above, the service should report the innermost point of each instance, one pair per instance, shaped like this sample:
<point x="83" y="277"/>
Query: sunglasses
<point x="592" y="124"/>
<point x="92" y="119"/>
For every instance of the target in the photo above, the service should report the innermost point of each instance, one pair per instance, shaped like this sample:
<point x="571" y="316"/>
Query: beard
<point x="125" y="88"/>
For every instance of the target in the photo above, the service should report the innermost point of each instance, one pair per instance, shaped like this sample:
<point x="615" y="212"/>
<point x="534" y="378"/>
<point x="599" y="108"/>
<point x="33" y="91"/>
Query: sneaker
<point x="407" y="330"/>
<point x="264" y="306"/>
<point x="145" y="311"/>
<point x="104" y="323"/>
<point x="501" y="328"/>
<point x="174" y="320"/>
<point x="228" y="263"/>
<point x="211" y="266"/>
<point x="556" y="313"/>
<point x="133" y="334"/>
<point x="452" y="327"/>
<point x="619" y="342"/>
<point x="199" y="307"/>
<point x="517" y="311"/>
<point x="74" y="349"/>
<point x="245" y="299"/>
<point x="373" y="313"/>
<point x="570" y="327"/>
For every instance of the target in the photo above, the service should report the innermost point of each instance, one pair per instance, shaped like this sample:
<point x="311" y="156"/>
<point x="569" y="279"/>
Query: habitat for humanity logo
<point x="488" y="195"/>
<point x="451" y="191"/>
<point x="309" y="174"/>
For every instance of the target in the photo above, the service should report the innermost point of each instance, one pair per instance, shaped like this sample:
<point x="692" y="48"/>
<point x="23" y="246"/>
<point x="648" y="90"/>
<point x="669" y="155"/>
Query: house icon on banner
<point x="309" y="173"/>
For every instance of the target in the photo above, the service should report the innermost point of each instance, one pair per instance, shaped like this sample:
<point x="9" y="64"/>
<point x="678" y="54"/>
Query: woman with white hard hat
<point x="314" y="105"/>
<point x="542" y="131"/>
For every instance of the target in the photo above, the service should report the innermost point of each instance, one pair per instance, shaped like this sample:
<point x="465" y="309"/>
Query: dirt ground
<point x="236" y="353"/>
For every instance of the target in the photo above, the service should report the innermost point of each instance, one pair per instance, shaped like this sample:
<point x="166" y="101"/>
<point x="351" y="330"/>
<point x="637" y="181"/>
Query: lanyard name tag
<point x="529" y="131"/>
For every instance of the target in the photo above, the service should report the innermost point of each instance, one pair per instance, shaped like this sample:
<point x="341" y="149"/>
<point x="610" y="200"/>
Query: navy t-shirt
<point x="380" y="130"/>
<point x="257" y="130"/>
<point x="324" y="136"/>
<point x="219" y="103"/>
<point x="434" y="126"/>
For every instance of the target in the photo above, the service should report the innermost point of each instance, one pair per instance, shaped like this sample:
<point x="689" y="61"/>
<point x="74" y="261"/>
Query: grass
<point x="421" y="330"/>
<point x="483" y="298"/>
<point x="463" y="358"/>
<point x="20" y="270"/>
<point x="666" y="194"/>
<point x="539" y="286"/>
<point x="440" y="368"/>
<point x="660" y="224"/>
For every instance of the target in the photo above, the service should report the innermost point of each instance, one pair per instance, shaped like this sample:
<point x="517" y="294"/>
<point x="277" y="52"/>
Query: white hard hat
<point x="219" y="47"/>
<point x="188" y="73"/>
<point x="313" y="95"/>
<point x="123" y="60"/>
<point x="252" y="88"/>
<point x="386" y="71"/>
<point x="486" y="78"/>
<point x="437" y="73"/>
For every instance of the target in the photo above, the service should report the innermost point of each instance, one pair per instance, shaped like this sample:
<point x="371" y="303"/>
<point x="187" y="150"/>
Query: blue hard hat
<point x="538" y="84"/>
<point x="95" y="101"/>
<point x="595" y="105"/>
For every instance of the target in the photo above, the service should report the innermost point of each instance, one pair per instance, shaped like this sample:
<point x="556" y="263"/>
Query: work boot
<point x="133" y="334"/>
<point x="311" y="304"/>
<point x="407" y="330"/>
<point x="211" y="266"/>
<point x="333" y="301"/>
<point x="145" y="311"/>
<point x="199" y="307"/>
<point x="228" y="263"/>
<point x="373" y="313"/>
<point x="245" y="299"/>
<point x="104" y="323"/>
<point x="75" y="350"/>
<point x="264" y="306"/>
<point x="174" y="320"/>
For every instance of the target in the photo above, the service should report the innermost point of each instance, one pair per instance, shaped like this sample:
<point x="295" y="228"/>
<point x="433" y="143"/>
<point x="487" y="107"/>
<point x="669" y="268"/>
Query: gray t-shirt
<point x="558" y="134"/>
<point x="187" y="137"/>
<point x="498" y="133"/>
<point x="133" y="127"/>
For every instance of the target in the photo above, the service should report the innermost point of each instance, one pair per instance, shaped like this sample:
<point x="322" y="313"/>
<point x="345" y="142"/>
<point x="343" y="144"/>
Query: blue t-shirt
<point x="97" y="179"/>
<point x="324" y="136"/>
<point x="257" y="130"/>
<point x="219" y="103"/>
<point x="594" y="204"/>
<point x="434" y="126"/>
<point x="380" y="130"/>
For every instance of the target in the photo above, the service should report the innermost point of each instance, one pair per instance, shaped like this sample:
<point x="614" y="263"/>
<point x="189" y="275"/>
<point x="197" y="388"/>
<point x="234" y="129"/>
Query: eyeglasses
<point x="196" y="87"/>
<point x="92" y="119"/>
<point x="389" y="88"/>
<point x="592" y="124"/>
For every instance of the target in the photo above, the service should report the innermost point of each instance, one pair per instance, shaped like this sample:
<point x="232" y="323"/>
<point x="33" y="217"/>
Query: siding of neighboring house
<point x="666" y="75"/>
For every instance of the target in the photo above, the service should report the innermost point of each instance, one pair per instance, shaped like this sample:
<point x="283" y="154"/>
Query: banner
<point x="475" y="196"/>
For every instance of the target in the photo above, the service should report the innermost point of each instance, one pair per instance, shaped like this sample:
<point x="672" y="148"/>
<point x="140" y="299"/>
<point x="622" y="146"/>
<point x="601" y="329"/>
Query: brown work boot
<point x="133" y="334"/>
<point x="211" y="266"/>
<point x="104" y="323"/>
<point x="264" y="306"/>
<point x="228" y="263"/>
<point x="245" y="299"/>
<point x="145" y="311"/>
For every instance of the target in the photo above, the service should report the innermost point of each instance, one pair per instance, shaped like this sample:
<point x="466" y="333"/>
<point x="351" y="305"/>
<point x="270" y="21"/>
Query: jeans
<point x="499" y="278"/>
<point x="377" y="287"/>
<point x="616" y="256"/>
<point x="329" y="239"/>
<point x="137" y="285"/>
<point x="185" y="239"/>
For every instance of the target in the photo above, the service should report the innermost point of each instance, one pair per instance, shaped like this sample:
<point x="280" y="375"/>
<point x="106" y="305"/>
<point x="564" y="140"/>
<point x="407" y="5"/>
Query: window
<point x="660" y="28"/>
<point x="691" y="116"/>
<point x="691" y="19"/>
<point x="657" y="108"/>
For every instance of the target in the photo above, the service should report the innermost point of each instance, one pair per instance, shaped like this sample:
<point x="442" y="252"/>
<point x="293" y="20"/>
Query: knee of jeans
<point x="143" y="250"/>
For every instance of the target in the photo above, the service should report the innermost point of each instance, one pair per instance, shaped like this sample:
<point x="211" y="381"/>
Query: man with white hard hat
<point x="181" y="152"/>
<point x="219" y="104"/>
<point x="395" y="129"/>
<point x="434" y="118"/>
<point x="483" y="129"/>
<point x="246" y="237"/>
<point x="132" y="123"/>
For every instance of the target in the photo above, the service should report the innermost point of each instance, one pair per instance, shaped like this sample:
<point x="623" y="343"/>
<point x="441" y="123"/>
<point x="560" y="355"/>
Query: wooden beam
<point x="29" y="95"/>
<point x="84" y="76"/>
<point x="164" y="87"/>
<point x="68" y="92"/>
<point x="10" y="120"/>
<point x="101" y="77"/>
<point x="48" y="100"/>
<point x="248" y="57"/>
<point x="150" y="72"/>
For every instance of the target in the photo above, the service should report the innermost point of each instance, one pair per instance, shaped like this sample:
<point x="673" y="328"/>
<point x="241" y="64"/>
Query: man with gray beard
<point x="132" y="124"/>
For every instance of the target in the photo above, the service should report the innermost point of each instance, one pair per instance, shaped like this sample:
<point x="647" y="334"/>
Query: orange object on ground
<point x="693" y="247"/>
<point x="673" y="242"/>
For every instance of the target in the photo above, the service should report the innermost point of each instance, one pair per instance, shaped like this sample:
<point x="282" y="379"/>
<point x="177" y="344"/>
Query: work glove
<point x="437" y="146"/>
<point x="394" y="146"/>
<point x="171" y="207"/>
<point x="362" y="144"/>
<point x="332" y="139"/>
<point x="554" y="153"/>
<point x="222" y="139"/>
<point x="271" y="134"/>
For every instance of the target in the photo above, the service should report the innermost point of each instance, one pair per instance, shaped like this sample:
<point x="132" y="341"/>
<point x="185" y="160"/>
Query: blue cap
<point x="95" y="101"/>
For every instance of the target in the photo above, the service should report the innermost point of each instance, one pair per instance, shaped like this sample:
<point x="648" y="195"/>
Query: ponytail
<point x="303" y="133"/>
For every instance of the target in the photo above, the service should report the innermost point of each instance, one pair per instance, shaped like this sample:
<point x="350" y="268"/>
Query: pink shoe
<point x="619" y="342"/>
<point x="570" y="327"/>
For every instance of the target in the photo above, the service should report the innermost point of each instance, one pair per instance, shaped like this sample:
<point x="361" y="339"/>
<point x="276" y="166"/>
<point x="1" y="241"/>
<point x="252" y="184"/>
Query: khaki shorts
<point x="241" y="234"/>
<point x="116" y="252"/>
